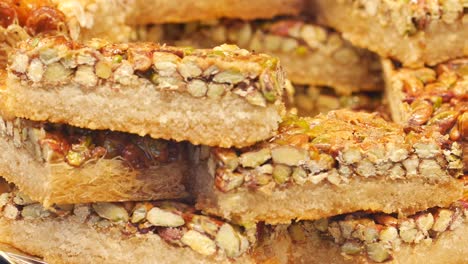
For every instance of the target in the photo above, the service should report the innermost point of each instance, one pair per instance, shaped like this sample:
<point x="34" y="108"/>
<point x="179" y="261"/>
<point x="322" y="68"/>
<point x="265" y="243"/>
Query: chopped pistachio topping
<point x="53" y="61"/>
<point x="331" y="148"/>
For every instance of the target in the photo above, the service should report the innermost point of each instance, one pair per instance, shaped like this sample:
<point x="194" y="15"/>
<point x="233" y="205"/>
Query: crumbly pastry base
<point x="143" y="110"/>
<point x="314" y="201"/>
<point x="96" y="181"/>
<point x="438" y="42"/>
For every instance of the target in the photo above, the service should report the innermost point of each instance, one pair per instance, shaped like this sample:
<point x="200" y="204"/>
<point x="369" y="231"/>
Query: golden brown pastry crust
<point x="115" y="20"/>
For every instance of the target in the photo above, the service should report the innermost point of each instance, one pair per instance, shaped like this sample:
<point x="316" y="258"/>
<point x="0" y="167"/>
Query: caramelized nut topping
<point x="436" y="97"/>
<point x="334" y="147"/>
<point x="201" y="73"/>
<point x="57" y="143"/>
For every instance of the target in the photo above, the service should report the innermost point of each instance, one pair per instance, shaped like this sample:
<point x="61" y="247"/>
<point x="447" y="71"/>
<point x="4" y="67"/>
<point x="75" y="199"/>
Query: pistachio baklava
<point x="224" y="96"/>
<point x="430" y="97"/>
<point x="311" y="54"/>
<point x="133" y="232"/>
<point x="61" y="164"/>
<point x="332" y="164"/>
<point x="436" y="235"/>
<point x="413" y="32"/>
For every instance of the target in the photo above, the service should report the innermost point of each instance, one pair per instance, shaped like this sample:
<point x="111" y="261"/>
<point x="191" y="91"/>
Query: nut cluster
<point x="36" y="16"/>
<point x="50" y="61"/>
<point x="409" y="17"/>
<point x="436" y="98"/>
<point x="56" y="143"/>
<point x="176" y="223"/>
<point x="379" y="235"/>
<point x="335" y="147"/>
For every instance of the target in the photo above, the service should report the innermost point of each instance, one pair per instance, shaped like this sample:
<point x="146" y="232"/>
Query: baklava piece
<point x="224" y="97"/>
<point x="332" y="164"/>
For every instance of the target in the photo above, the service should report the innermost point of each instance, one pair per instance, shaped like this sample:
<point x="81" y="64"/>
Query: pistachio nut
<point x="159" y="217"/>
<point x="111" y="211"/>
<point x="199" y="242"/>
<point x="289" y="155"/>
<point x="253" y="159"/>
<point x="228" y="239"/>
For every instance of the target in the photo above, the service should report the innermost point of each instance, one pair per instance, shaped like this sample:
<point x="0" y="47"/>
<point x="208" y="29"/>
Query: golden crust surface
<point x="115" y="20"/>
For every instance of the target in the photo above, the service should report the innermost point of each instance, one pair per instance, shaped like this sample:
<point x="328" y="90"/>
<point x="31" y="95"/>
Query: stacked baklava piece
<point x="167" y="131"/>
<point x="423" y="47"/>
